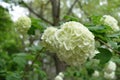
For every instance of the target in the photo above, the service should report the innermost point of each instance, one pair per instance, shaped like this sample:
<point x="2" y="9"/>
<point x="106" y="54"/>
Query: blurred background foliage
<point x="22" y="56"/>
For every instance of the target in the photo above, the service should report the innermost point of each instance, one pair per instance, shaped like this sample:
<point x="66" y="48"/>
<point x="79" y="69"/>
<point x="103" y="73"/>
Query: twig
<point x="41" y="17"/>
<point x="69" y="11"/>
<point x="29" y="67"/>
<point x="36" y="58"/>
<point x="81" y="7"/>
<point x="109" y="46"/>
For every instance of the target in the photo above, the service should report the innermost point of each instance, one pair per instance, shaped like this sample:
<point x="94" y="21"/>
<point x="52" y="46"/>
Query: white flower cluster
<point x="23" y="24"/>
<point x="110" y="21"/>
<point x="96" y="74"/>
<point x="60" y="76"/>
<point x="110" y="70"/>
<point x="49" y="39"/>
<point x="110" y="67"/>
<point x="109" y="75"/>
<point x="73" y="42"/>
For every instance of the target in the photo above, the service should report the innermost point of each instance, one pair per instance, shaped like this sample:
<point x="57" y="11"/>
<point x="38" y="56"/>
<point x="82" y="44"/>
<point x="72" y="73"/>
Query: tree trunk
<point x="60" y="66"/>
<point x="55" y="11"/>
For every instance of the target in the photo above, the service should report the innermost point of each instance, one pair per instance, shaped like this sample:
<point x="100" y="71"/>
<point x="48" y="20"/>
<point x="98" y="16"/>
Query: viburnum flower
<point x="73" y="43"/>
<point x="60" y="76"/>
<point x="48" y="39"/>
<point x="96" y="73"/>
<point x="110" y="67"/>
<point x="109" y="75"/>
<point x="110" y="21"/>
<point x="23" y="24"/>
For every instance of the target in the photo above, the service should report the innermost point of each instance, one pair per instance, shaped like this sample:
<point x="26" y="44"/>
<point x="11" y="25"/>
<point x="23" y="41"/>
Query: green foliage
<point x="37" y="24"/>
<point x="104" y="56"/>
<point x="119" y="49"/>
<point x="71" y="18"/>
<point x="20" y="59"/>
<point x="4" y="16"/>
<point x="8" y="38"/>
<point x="96" y="19"/>
<point x="13" y="76"/>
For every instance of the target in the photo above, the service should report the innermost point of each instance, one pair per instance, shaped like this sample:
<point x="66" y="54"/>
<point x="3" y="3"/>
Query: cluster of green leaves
<point x="15" y="62"/>
<point x="37" y="24"/>
<point x="7" y="32"/>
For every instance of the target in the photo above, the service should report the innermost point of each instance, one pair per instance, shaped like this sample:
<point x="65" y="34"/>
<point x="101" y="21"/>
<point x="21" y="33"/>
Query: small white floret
<point x="109" y="75"/>
<point x="96" y="73"/>
<point x="110" y="67"/>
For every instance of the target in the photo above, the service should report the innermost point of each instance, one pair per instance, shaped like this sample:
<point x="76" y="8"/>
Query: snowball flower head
<point x="110" y="67"/>
<point x="96" y="73"/>
<point x="23" y="23"/>
<point x="73" y="43"/>
<point x="110" y="21"/>
<point x="109" y="75"/>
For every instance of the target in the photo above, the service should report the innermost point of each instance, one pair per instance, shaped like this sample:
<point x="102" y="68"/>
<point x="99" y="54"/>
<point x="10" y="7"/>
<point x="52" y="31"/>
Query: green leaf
<point x="90" y="71"/>
<point x="115" y="34"/>
<point x="13" y="76"/>
<point x="104" y="56"/>
<point x="94" y="28"/>
<point x="20" y="59"/>
<point x="35" y="48"/>
<point x="31" y="31"/>
<point x="71" y="18"/>
<point x="76" y="74"/>
<point x="37" y="24"/>
<point x="42" y="74"/>
<point x="96" y="19"/>
<point x="98" y="29"/>
<point x="113" y="44"/>
<point x="119" y="49"/>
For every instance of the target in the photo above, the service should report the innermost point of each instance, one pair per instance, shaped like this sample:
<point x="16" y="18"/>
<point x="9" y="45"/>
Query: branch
<point x="31" y="10"/>
<point x="109" y="46"/>
<point x="81" y="7"/>
<point x="30" y="67"/>
<point x="69" y="11"/>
